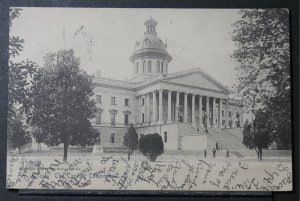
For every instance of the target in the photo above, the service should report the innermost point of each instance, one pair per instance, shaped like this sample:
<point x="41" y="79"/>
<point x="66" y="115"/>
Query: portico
<point x="166" y="106"/>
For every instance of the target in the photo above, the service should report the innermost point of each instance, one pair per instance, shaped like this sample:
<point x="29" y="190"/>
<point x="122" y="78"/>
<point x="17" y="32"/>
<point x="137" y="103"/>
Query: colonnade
<point x="151" y="108"/>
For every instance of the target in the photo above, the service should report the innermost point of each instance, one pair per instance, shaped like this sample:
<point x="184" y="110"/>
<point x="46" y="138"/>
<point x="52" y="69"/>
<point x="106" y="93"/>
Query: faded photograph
<point x="149" y="99"/>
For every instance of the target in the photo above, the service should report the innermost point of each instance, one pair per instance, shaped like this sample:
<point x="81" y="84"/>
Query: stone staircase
<point x="226" y="138"/>
<point x="187" y="129"/>
<point x="230" y="139"/>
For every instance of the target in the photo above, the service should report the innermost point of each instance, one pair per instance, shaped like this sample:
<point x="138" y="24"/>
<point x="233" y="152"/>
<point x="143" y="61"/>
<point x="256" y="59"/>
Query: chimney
<point x="98" y="74"/>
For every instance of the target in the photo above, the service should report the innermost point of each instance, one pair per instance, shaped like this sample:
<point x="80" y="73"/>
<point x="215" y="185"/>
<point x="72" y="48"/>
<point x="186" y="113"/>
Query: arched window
<point x="158" y="67"/>
<point x="149" y="66"/>
<point x="162" y="67"/>
<point x="137" y="67"/>
<point x="144" y="66"/>
<point x="112" y="138"/>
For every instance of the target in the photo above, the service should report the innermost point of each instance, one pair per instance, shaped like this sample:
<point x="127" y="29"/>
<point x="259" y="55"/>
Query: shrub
<point x="151" y="146"/>
<point x="131" y="140"/>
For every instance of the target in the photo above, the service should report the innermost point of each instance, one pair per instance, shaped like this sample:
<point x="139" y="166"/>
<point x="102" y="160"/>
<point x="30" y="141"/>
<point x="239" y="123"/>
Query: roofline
<point x="195" y="70"/>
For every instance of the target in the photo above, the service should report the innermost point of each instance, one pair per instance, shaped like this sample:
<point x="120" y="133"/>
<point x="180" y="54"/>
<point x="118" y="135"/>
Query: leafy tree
<point x="131" y="140"/>
<point x="63" y="102"/>
<point x="151" y="146"/>
<point x="262" y="40"/>
<point x="39" y="135"/>
<point x="20" y="74"/>
<point x="17" y="135"/>
<point x="257" y="135"/>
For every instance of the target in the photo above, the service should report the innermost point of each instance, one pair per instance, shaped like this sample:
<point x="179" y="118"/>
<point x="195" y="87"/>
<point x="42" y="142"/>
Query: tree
<point x="17" y="135"/>
<point x="151" y="146"/>
<point x="257" y="135"/>
<point x="63" y="102"/>
<point x="39" y="135"/>
<point x="20" y="74"/>
<point x="263" y="57"/>
<point x="131" y="140"/>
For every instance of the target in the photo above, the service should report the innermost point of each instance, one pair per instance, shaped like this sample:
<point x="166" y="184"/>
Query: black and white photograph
<point x="149" y="99"/>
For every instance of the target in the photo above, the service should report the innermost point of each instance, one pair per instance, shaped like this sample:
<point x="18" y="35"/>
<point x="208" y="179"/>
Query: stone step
<point x="230" y="139"/>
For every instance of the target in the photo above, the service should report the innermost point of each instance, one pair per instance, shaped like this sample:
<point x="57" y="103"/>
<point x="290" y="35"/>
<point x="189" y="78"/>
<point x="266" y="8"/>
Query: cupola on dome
<point x="150" y="44"/>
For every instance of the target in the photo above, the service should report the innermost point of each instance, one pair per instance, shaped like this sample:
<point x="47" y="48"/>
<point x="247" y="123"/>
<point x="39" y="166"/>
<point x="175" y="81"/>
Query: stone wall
<point x="107" y="132"/>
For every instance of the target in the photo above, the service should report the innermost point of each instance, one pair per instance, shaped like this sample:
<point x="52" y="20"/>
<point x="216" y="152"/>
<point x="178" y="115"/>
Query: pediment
<point x="198" y="79"/>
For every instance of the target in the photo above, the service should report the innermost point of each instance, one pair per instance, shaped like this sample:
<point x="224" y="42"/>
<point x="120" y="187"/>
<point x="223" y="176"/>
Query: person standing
<point x="227" y="153"/>
<point x="204" y="153"/>
<point x="214" y="152"/>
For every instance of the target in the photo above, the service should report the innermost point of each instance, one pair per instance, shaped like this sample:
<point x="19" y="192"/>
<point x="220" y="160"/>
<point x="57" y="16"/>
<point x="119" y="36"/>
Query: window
<point x="126" y="101"/>
<point x="98" y="99"/>
<point x="144" y="66"/>
<point x="113" y="118"/>
<point x="98" y="117"/>
<point x="165" y="137"/>
<point x="113" y="100"/>
<point x="229" y="114"/>
<point x="157" y="66"/>
<point x="143" y="118"/>
<point x="222" y="113"/>
<point x="112" y="138"/>
<point x="126" y="119"/>
<point x="137" y="67"/>
<point x="143" y="101"/>
<point x="149" y="66"/>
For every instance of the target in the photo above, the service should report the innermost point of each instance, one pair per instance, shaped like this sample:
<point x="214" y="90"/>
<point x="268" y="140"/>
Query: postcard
<point x="149" y="99"/>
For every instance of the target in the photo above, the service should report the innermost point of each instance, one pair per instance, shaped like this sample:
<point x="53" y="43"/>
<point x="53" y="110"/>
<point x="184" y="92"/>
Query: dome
<point x="150" y="44"/>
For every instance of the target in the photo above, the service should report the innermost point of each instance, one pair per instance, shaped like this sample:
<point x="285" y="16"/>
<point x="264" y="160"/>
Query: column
<point x="193" y="110"/>
<point x="169" y="106"/>
<point x="220" y="114"/>
<point x="200" y="112"/>
<point x="138" y="109"/>
<point x="144" y="109"/>
<point x="185" y="108"/>
<point x="177" y="106"/>
<point x="214" y="113"/>
<point x="226" y="115"/>
<point x="207" y="112"/>
<point x="148" y="107"/>
<point x="154" y="105"/>
<point x="160" y="107"/>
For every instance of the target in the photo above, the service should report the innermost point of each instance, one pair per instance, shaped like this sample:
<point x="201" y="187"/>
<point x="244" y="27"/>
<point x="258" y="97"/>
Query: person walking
<point x="204" y="153"/>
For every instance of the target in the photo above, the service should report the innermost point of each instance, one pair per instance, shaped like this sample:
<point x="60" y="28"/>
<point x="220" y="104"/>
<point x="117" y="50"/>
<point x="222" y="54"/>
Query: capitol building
<point x="175" y="105"/>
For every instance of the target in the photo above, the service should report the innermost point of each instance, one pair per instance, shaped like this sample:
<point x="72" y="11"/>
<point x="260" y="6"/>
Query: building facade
<point x="176" y="105"/>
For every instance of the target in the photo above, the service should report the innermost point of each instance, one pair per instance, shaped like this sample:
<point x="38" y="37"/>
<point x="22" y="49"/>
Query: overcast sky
<point x="104" y="39"/>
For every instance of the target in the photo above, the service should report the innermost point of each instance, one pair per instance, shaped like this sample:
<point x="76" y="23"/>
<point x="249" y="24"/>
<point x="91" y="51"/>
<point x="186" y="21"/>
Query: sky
<point x="104" y="38"/>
